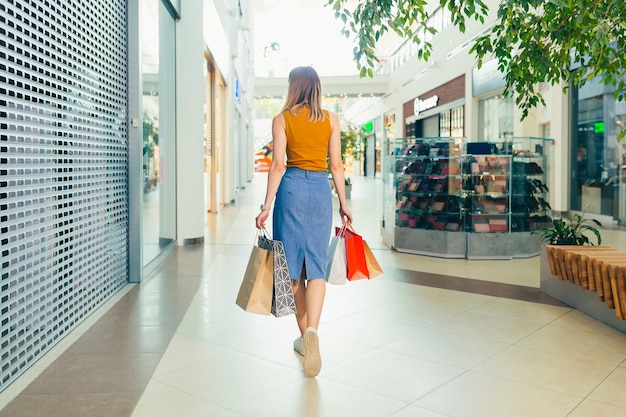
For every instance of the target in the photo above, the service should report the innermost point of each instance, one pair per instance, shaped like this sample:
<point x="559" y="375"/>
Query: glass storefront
<point x="159" y="133"/>
<point x="452" y="123"/>
<point x="598" y="155"/>
<point x="495" y="119"/>
<point x="449" y="123"/>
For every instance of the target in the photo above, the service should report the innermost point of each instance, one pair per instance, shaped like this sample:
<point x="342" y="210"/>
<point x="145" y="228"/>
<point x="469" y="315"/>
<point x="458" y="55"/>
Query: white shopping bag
<point x="337" y="269"/>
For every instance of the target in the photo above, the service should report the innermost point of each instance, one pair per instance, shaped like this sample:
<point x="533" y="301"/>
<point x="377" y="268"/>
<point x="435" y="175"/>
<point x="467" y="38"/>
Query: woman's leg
<point x="299" y="295"/>
<point x="309" y="297"/>
<point x="314" y="295"/>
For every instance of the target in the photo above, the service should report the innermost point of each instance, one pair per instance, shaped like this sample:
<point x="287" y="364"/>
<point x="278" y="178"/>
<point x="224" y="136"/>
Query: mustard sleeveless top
<point x="307" y="142"/>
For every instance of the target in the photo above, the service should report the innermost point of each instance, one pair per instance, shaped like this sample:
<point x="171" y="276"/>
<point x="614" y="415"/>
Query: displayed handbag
<point x="255" y="292"/>
<point x="373" y="267"/>
<point x="355" y="255"/>
<point x="337" y="269"/>
<point x="283" y="302"/>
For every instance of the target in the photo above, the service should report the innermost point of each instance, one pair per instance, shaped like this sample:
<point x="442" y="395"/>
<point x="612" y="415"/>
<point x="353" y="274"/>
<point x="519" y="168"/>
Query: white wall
<point x="190" y="76"/>
<point x="227" y="35"/>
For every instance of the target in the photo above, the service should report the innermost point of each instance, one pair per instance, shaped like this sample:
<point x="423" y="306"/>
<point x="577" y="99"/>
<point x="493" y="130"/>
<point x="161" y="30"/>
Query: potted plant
<point x="569" y="232"/>
<point x="352" y="144"/>
<point x="348" y="183"/>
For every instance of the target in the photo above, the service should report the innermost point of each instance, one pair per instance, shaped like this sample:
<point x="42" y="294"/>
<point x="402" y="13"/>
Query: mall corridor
<point x="429" y="338"/>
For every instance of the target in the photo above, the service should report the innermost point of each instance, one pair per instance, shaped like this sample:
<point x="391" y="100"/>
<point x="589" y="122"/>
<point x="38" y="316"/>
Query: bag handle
<point x="261" y="232"/>
<point x="349" y="227"/>
<point x="341" y="232"/>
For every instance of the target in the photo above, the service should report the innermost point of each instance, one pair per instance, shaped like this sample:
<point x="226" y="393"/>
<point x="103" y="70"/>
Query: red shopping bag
<point x="355" y="254"/>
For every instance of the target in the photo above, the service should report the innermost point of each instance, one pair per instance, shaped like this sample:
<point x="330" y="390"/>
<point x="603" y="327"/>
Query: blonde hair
<point x="305" y="89"/>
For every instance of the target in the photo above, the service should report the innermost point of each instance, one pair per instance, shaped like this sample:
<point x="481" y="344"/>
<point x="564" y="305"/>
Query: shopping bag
<point x="255" y="292"/>
<point x="373" y="267"/>
<point x="355" y="255"/>
<point x="283" y="302"/>
<point x="336" y="269"/>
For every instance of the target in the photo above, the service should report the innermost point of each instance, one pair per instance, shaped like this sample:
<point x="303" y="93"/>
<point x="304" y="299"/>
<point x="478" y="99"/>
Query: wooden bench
<point x="595" y="268"/>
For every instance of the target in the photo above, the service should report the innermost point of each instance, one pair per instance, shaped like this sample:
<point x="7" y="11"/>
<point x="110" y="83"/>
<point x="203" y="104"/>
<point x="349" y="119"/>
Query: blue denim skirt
<point x="302" y="220"/>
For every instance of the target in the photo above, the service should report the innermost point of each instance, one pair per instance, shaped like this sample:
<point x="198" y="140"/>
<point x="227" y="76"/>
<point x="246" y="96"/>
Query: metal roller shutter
<point x="63" y="162"/>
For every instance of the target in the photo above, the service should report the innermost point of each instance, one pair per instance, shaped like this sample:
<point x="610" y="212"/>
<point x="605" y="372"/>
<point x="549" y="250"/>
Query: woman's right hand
<point x="261" y="218"/>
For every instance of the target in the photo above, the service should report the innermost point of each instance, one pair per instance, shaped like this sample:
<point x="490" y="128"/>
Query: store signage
<point x="598" y="127"/>
<point x="237" y="92"/>
<point x="488" y="78"/>
<point x="420" y="105"/>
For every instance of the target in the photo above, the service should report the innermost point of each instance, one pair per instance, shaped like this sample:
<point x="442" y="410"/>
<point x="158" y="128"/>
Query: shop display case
<point x="459" y="199"/>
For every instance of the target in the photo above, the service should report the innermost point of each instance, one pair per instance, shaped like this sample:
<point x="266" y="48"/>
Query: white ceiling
<point x="308" y="34"/>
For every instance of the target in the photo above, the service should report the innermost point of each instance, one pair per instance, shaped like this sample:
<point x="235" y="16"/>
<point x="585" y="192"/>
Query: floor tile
<point x="350" y="297"/>
<point x="95" y="373"/>
<point x="184" y="351"/>
<point x="611" y="390"/>
<point x="412" y="411"/>
<point x="367" y="330"/>
<point x="319" y="397"/>
<point x="401" y="377"/>
<point x="160" y="400"/>
<point x="446" y="347"/>
<point x="476" y="395"/>
<point x="73" y="405"/>
<point x="559" y="372"/>
<point x="238" y="332"/>
<point x="523" y="310"/>
<point x="490" y="326"/>
<point x="231" y="379"/>
<point x="597" y="409"/>
<point x="559" y="338"/>
<point x="421" y="313"/>
<point x="577" y="321"/>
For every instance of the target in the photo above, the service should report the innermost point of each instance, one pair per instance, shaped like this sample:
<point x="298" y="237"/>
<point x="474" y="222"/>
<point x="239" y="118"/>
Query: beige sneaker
<point x="298" y="346"/>
<point x="312" y="358"/>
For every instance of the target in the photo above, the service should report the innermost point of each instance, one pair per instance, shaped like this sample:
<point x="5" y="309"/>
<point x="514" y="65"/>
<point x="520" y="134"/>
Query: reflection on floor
<point x="429" y="338"/>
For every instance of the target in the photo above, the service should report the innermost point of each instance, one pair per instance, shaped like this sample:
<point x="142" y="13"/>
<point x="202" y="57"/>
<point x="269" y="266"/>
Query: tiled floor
<point x="429" y="338"/>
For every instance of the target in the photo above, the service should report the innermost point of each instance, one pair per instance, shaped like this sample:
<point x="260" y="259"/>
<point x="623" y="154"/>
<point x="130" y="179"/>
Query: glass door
<point x="159" y="133"/>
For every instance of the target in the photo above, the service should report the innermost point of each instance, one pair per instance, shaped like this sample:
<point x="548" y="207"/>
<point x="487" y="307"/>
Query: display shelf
<point x="436" y="185"/>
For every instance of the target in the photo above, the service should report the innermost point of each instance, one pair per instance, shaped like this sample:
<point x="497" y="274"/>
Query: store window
<point x="495" y="119"/>
<point x="598" y="156"/>
<point x="452" y="123"/>
<point x="159" y="134"/>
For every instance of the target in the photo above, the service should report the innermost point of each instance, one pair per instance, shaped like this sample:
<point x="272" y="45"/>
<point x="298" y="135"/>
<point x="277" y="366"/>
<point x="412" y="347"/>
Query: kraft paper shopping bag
<point x="373" y="267"/>
<point x="255" y="292"/>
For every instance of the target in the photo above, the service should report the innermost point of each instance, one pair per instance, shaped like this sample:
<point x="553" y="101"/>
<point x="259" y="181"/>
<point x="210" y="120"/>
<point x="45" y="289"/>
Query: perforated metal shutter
<point x="63" y="162"/>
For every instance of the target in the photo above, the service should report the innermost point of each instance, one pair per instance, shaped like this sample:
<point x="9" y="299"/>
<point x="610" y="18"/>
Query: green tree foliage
<point x="533" y="40"/>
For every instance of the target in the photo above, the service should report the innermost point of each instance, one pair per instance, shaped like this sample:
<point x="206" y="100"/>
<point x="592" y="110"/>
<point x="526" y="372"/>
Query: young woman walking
<point x="305" y="137"/>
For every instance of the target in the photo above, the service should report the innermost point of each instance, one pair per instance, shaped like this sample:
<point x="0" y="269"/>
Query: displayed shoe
<point x="312" y="358"/>
<point x="298" y="346"/>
